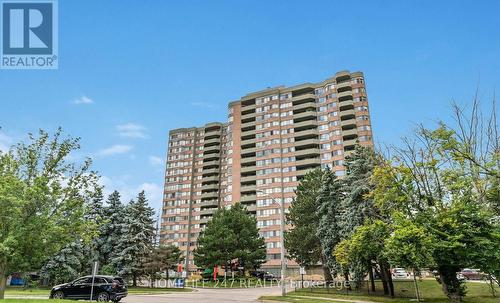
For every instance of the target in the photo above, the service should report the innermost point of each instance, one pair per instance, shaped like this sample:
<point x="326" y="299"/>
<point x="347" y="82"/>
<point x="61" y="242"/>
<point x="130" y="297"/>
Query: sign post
<point x="302" y="273"/>
<point x="94" y="272"/>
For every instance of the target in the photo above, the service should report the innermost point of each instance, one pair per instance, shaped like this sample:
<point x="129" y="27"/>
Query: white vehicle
<point x="400" y="273"/>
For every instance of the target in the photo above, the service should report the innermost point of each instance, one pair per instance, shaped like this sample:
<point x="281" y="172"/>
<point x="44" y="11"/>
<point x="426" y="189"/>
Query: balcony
<point x="252" y="208"/>
<point x="343" y="84"/>
<point x="308" y="142"/>
<point x="210" y="171"/>
<point x="250" y="151"/>
<point x="342" y="95"/>
<point x="305" y="124"/>
<point x="308" y="115"/>
<point x="310" y="162"/>
<point x="247" y="114"/>
<point x="346" y="123"/>
<point x="310" y="104"/>
<point x="247" y="107"/>
<point x="212" y="163"/>
<point x="247" y="132"/>
<point x="246" y="161"/>
<point x="246" y="179"/>
<point x="210" y="179"/>
<point x="348" y="104"/>
<point x="211" y="157"/>
<point x="247" y="124"/>
<point x="208" y="211"/>
<point x="211" y="149"/>
<point x="214" y="141"/>
<point x="211" y="203"/>
<point x="342" y="76"/>
<point x="306" y="134"/>
<point x="308" y="151"/>
<point x="351" y="142"/>
<point x="210" y="187"/>
<point x="303" y="98"/>
<point x="248" y="198"/>
<point x="209" y="195"/>
<point x="349" y="132"/>
<point x="247" y="169"/>
<point x="248" y="188"/>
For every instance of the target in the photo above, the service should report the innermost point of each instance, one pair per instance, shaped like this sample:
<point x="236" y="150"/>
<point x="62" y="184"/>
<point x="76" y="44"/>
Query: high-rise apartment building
<point x="272" y="138"/>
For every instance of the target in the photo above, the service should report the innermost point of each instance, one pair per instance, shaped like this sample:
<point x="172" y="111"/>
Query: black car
<point x="263" y="275"/>
<point x="106" y="288"/>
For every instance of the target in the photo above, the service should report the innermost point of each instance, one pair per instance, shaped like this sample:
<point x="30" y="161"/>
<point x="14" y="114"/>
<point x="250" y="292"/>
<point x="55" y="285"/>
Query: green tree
<point x="231" y="234"/>
<point x="365" y="249"/>
<point x="301" y="241"/>
<point x="329" y="219"/>
<point x="42" y="202"/>
<point x="409" y="246"/>
<point x="67" y="265"/>
<point x="162" y="259"/>
<point x="136" y="241"/>
<point x="445" y="180"/>
<point x="111" y="231"/>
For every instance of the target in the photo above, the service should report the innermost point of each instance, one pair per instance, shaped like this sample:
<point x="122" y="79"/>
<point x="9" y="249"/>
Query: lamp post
<point x="282" y="240"/>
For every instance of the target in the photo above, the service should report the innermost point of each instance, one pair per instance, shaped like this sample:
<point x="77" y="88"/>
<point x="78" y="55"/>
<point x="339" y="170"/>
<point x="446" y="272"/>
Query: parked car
<point x="106" y="288"/>
<point x="263" y="275"/>
<point x="472" y="274"/>
<point x="400" y="273"/>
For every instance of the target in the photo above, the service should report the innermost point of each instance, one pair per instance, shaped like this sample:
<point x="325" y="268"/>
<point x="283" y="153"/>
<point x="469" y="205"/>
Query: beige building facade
<point x="271" y="139"/>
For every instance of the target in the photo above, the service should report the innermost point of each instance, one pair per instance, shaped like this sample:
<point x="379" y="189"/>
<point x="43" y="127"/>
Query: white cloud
<point x="83" y="100"/>
<point x="115" y="150"/>
<point x="131" y="130"/>
<point x="156" y="161"/>
<point x="206" y="105"/>
<point x="154" y="192"/>
<point x="5" y="142"/>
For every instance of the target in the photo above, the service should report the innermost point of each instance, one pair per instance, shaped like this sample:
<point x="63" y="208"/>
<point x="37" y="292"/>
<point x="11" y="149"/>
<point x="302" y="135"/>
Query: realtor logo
<point x="29" y="34"/>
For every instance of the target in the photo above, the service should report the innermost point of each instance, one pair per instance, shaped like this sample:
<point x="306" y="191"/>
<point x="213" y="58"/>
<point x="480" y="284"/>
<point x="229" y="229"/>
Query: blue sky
<point x="131" y="70"/>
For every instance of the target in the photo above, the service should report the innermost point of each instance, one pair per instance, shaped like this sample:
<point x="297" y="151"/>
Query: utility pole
<point x="282" y="241"/>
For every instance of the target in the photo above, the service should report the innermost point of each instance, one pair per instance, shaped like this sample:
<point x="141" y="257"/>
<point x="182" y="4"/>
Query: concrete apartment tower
<point x="272" y="138"/>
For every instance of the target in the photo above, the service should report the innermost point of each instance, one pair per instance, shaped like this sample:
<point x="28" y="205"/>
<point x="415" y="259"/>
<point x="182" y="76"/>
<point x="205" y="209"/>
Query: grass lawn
<point x="430" y="291"/>
<point x="45" y="292"/>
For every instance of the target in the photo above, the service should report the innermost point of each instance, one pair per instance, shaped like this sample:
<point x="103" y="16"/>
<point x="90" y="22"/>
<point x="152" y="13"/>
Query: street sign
<point x="302" y="270"/>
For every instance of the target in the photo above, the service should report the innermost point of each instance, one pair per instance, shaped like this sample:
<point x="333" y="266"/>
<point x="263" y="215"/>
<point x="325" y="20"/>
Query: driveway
<point x="207" y="296"/>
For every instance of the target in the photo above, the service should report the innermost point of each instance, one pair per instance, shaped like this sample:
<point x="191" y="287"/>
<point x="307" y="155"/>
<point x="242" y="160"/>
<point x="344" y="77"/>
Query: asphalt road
<point x="207" y="296"/>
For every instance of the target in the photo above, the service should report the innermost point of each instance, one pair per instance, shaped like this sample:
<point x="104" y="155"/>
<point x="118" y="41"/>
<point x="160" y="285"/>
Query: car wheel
<point x="102" y="297"/>
<point x="58" y="295"/>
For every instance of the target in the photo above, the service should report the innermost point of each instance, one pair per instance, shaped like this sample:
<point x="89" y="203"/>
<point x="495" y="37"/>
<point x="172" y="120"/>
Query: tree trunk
<point x="390" y="283"/>
<point x="134" y="279"/>
<point x="3" y="282"/>
<point x="346" y="277"/>
<point x="452" y="287"/>
<point x="327" y="274"/>
<point x="372" y="279"/>
<point x="417" y="292"/>
<point x="384" y="282"/>
<point x="326" y="271"/>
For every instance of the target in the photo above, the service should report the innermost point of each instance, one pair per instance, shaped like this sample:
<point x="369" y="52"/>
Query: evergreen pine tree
<point x="357" y="185"/>
<point x="136" y="242"/>
<point x="301" y="241"/>
<point x="95" y="214"/>
<point x="112" y="230"/>
<point x="66" y="265"/>
<point x="329" y="212"/>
